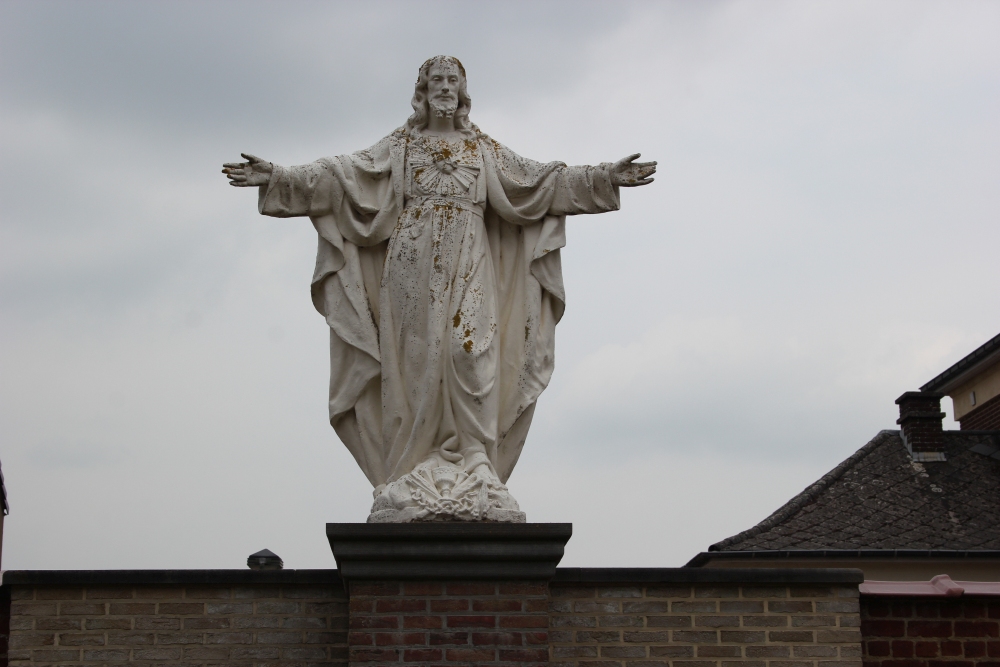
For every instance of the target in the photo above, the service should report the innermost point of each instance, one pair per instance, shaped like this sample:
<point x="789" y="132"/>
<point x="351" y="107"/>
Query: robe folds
<point x="357" y="203"/>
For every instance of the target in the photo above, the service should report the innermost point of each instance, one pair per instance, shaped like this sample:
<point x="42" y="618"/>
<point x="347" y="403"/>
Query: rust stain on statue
<point x="443" y="152"/>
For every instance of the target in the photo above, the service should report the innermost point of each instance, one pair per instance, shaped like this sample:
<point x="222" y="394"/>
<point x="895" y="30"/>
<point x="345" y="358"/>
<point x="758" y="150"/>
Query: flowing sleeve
<point x="524" y="191"/>
<point x="355" y="193"/>
<point x="302" y="190"/>
<point x="584" y="189"/>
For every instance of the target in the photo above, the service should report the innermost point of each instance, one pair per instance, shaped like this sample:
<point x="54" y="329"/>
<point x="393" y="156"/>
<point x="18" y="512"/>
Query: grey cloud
<point x="245" y="67"/>
<point x="56" y="455"/>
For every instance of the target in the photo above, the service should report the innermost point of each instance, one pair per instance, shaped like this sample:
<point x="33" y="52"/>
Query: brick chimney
<point x="920" y="423"/>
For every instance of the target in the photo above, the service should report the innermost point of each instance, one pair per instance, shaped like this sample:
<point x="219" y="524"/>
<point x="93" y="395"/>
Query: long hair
<point x="419" y="103"/>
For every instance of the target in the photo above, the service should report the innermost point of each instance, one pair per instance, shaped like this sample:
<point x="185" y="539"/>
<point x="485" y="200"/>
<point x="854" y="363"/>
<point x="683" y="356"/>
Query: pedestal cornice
<point x="453" y="550"/>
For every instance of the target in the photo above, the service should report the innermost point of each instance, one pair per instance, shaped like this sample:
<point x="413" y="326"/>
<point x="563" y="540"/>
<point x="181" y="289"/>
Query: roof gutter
<point x="965" y="368"/>
<point x="705" y="557"/>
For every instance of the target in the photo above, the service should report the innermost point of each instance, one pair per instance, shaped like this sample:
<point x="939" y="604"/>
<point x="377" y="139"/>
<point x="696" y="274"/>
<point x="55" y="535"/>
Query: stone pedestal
<point x="472" y="593"/>
<point x="447" y="551"/>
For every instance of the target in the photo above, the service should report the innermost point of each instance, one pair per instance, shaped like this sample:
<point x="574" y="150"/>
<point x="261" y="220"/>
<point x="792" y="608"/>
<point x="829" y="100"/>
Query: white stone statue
<point x="438" y="272"/>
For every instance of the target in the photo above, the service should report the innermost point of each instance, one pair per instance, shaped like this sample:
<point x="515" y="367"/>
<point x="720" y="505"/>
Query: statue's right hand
<point x="251" y="173"/>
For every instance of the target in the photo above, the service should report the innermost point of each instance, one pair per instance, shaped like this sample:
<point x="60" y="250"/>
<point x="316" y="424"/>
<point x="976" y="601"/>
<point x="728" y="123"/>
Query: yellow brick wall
<point x="704" y="626"/>
<point x="178" y="625"/>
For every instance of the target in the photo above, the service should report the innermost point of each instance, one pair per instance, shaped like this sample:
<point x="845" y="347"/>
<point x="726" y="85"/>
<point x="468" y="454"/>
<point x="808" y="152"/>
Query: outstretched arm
<point x="283" y="192"/>
<point x="629" y="173"/>
<point x="253" y="172"/>
<point x="595" y="189"/>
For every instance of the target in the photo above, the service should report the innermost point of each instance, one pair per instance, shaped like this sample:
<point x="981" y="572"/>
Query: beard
<point x="443" y="108"/>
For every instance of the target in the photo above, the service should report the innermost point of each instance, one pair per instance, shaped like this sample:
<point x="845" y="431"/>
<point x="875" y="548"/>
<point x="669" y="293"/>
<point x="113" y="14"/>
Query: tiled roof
<point x="879" y="498"/>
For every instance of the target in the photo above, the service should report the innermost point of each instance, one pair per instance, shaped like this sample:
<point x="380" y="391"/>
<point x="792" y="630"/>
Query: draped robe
<point x="358" y="203"/>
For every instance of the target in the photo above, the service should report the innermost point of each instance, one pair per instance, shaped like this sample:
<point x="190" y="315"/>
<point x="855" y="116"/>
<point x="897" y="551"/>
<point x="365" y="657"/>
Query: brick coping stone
<point x="322" y="576"/>
<point x="166" y="577"/>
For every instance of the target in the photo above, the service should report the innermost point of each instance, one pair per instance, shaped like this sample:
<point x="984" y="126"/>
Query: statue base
<point x="445" y="493"/>
<point x="413" y="516"/>
<point x="447" y="550"/>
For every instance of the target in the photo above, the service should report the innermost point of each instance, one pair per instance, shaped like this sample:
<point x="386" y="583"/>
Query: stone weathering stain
<point x="438" y="246"/>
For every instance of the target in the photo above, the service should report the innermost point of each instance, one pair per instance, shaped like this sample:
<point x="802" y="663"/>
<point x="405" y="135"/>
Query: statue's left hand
<point x="629" y="173"/>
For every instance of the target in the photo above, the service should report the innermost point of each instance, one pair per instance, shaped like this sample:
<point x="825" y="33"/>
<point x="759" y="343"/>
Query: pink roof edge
<point x="939" y="586"/>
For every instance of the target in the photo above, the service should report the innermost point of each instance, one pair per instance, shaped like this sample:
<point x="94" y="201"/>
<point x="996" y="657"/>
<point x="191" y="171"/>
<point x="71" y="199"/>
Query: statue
<point x="439" y="275"/>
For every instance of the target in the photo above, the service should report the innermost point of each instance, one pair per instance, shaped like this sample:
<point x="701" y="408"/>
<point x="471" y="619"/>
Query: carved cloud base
<point x="445" y="493"/>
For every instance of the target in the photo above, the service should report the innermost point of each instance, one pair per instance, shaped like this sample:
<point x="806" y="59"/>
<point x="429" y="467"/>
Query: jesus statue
<point x="438" y="273"/>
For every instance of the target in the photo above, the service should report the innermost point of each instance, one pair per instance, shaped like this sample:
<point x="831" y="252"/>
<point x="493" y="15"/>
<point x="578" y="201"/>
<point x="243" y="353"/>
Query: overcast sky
<point x="822" y="236"/>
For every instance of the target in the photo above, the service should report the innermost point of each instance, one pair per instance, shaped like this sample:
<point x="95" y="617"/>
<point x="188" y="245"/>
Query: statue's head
<point x="441" y="89"/>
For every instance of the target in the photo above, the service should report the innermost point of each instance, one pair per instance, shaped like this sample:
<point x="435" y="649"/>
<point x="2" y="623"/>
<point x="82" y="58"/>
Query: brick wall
<point x="4" y="623"/>
<point x="931" y="632"/>
<point x="704" y="626"/>
<point x="178" y="625"/>
<point x="475" y="622"/>
<point x="687" y="617"/>
<point x="985" y="417"/>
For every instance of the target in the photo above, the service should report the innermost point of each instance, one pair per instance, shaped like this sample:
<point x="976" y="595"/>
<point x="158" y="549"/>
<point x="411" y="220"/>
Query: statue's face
<point x="442" y="88"/>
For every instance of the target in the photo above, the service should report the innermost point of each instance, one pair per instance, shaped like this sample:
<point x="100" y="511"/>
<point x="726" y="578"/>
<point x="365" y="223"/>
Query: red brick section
<point x="985" y="417"/>
<point x="470" y="623"/>
<point x="930" y="632"/>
